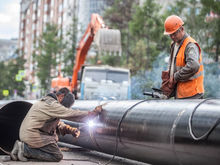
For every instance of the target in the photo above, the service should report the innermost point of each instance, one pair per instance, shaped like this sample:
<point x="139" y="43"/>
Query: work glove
<point x="172" y="83"/>
<point x="95" y="112"/>
<point x="168" y="84"/>
<point x="166" y="89"/>
<point x="165" y="75"/>
<point x="67" y="129"/>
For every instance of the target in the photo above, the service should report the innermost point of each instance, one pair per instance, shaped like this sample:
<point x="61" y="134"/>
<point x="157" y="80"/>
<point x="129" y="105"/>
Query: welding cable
<point x="89" y="160"/>
<point x="6" y="152"/>
<point x="119" y="126"/>
<point x="205" y="135"/>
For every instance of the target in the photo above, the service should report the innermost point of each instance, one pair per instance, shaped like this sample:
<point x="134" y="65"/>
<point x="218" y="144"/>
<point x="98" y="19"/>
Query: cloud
<point x="9" y="19"/>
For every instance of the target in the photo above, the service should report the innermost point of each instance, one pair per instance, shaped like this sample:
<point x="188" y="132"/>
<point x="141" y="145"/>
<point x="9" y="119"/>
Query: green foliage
<point x="50" y="47"/>
<point x="112" y="60"/>
<point x="212" y="88"/>
<point x="146" y="27"/>
<point x="118" y="17"/>
<point x="212" y="27"/>
<point x="199" y="25"/>
<point x="8" y="71"/>
<point x="70" y="49"/>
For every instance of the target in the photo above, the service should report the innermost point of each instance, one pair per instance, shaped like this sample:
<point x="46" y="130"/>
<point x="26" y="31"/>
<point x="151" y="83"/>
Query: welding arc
<point x="118" y="129"/>
<point x="205" y="135"/>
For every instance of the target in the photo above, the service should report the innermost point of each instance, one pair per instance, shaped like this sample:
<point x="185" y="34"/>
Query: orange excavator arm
<point x="95" y="24"/>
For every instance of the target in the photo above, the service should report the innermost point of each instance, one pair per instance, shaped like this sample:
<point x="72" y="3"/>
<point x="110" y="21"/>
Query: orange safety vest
<point x="195" y="84"/>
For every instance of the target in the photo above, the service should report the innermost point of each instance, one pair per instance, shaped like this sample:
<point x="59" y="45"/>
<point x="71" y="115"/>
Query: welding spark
<point x="91" y="123"/>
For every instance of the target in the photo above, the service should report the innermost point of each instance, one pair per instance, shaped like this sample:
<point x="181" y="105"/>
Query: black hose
<point x="205" y="135"/>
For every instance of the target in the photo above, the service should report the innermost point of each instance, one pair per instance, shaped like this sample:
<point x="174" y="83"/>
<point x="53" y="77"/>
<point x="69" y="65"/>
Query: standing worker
<point x="38" y="131"/>
<point x="184" y="77"/>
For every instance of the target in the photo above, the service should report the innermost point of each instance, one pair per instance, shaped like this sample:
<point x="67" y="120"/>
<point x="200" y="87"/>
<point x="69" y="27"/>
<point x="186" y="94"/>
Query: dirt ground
<point x="79" y="156"/>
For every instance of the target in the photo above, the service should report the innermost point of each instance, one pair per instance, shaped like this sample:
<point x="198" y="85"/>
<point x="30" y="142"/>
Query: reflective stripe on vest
<point x="195" y="84"/>
<point x="195" y="75"/>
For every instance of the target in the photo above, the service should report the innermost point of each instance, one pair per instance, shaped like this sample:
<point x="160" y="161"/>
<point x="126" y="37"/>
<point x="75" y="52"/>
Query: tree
<point x="118" y="17"/>
<point x="199" y="24"/>
<point x="50" y="47"/>
<point x="212" y="7"/>
<point x="70" y="49"/>
<point x="8" y="71"/>
<point x="146" y="28"/>
<point x="3" y="81"/>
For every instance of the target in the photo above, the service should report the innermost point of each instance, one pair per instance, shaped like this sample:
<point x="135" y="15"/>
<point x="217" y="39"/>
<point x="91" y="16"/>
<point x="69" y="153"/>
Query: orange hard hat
<point x="172" y="24"/>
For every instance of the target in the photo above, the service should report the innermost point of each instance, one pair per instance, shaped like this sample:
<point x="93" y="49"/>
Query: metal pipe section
<point x="154" y="131"/>
<point x="11" y="117"/>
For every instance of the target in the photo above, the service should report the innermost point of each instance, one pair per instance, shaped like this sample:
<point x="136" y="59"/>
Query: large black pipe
<point x="11" y="116"/>
<point x="153" y="131"/>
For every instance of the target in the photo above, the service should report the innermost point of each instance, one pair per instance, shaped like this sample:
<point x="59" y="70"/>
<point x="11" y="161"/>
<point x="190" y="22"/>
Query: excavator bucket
<point x="108" y="40"/>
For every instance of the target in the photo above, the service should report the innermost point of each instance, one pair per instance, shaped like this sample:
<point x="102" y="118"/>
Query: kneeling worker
<point x="38" y="131"/>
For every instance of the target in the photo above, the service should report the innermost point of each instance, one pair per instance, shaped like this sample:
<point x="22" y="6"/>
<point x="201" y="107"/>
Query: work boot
<point x="21" y="152"/>
<point x="14" y="151"/>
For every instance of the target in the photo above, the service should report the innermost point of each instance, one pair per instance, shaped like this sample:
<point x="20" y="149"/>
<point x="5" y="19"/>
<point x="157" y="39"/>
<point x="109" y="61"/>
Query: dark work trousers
<point x="50" y="153"/>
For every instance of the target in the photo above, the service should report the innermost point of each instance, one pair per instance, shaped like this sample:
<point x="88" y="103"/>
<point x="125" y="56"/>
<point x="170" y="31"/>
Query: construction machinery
<point x="104" y="83"/>
<point x="107" y="40"/>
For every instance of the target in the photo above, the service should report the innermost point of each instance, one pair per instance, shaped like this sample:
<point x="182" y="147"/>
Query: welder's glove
<point x="96" y="111"/>
<point x="75" y="132"/>
<point x="165" y="75"/>
<point x="165" y="88"/>
<point x="172" y="83"/>
<point x="66" y="129"/>
<point x="168" y="85"/>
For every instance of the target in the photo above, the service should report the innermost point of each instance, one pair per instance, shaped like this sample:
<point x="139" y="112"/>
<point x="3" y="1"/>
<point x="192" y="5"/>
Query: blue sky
<point x="9" y="18"/>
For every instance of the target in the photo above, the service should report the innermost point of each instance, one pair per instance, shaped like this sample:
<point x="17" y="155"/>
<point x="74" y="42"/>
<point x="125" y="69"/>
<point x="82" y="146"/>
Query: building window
<point x="27" y="32"/>
<point x="60" y="8"/>
<point x="60" y="21"/>
<point x="37" y="43"/>
<point x="21" y="44"/>
<point x="45" y="18"/>
<point x="34" y="6"/>
<point x="33" y="27"/>
<point x="52" y="3"/>
<point x="45" y="7"/>
<point x="33" y="16"/>
<point x="38" y="13"/>
<point x="28" y="12"/>
<point x="33" y="36"/>
<point x="39" y="2"/>
<point x="38" y="33"/>
<point x="25" y="49"/>
<point x="27" y="21"/>
<point x="51" y="14"/>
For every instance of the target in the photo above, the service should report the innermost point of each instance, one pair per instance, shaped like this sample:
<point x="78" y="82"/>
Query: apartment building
<point x="35" y="14"/>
